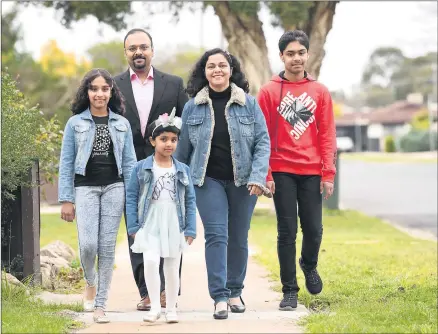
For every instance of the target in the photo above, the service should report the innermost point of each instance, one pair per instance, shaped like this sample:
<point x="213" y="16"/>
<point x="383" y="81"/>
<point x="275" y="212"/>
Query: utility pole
<point x="431" y="96"/>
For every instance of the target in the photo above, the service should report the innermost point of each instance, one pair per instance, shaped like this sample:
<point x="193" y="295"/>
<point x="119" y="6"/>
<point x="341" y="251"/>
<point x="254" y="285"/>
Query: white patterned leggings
<point x="152" y="278"/>
<point x="98" y="214"/>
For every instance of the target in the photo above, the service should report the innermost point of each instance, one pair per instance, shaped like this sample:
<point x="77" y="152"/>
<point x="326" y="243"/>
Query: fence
<point x="20" y="223"/>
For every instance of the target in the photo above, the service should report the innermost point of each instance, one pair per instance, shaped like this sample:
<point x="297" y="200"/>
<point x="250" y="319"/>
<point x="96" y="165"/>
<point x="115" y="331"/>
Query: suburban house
<point x="368" y="129"/>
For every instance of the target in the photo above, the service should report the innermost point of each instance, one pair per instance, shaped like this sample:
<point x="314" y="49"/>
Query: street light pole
<point x="429" y="106"/>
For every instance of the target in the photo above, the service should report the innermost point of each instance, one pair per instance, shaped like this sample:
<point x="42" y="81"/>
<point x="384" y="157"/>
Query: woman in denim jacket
<point x="97" y="158"/>
<point x="225" y="141"/>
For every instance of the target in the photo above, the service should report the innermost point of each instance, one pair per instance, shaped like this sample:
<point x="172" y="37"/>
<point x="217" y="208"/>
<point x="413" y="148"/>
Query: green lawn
<point x="376" y="278"/>
<point x="54" y="228"/>
<point x="23" y="314"/>
<point x="388" y="158"/>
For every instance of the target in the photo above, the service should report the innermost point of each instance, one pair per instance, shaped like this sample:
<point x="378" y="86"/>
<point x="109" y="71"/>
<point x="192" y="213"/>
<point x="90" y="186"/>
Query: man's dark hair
<point x="133" y="31"/>
<point x="293" y="36"/>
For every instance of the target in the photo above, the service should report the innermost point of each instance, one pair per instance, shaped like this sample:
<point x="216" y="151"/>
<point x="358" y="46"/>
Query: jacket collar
<point x="149" y="162"/>
<point x="237" y="95"/>
<point x="86" y="114"/>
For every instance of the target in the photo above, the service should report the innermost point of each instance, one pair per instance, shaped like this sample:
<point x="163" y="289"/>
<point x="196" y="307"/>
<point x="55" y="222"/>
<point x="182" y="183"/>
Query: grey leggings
<point x="98" y="214"/>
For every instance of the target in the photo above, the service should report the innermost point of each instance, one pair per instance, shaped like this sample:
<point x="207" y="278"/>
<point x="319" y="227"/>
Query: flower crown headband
<point x="165" y="120"/>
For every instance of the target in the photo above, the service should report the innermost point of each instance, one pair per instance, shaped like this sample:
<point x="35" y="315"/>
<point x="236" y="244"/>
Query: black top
<point x="101" y="168"/>
<point x="220" y="165"/>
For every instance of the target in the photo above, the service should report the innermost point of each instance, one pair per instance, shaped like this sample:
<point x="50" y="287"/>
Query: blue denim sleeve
<point x="262" y="149"/>
<point x="132" y="190"/>
<point x="184" y="148"/>
<point x="66" y="166"/>
<point x="128" y="158"/>
<point x="190" y="198"/>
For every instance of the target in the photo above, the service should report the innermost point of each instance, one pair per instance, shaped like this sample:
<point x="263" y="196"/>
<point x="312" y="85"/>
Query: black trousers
<point x="138" y="269"/>
<point x="290" y="190"/>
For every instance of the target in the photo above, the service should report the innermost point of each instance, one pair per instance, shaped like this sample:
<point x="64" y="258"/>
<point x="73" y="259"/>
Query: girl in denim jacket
<point x="161" y="214"/>
<point x="97" y="157"/>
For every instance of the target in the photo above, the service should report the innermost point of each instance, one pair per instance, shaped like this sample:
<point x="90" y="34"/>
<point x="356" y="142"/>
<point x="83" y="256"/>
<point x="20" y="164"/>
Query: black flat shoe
<point x="220" y="315"/>
<point x="237" y="308"/>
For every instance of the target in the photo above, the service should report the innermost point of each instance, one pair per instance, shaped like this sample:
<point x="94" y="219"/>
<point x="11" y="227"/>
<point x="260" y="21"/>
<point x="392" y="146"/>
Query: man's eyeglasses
<point x="134" y="48"/>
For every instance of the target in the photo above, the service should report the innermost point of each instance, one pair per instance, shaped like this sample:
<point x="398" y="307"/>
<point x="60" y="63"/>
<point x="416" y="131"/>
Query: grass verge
<point x="22" y="313"/>
<point x="54" y="228"/>
<point x="388" y="158"/>
<point x="376" y="278"/>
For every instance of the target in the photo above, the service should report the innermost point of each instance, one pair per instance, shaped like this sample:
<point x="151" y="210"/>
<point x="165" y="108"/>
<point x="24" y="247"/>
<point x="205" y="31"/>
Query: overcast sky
<point x="358" y="29"/>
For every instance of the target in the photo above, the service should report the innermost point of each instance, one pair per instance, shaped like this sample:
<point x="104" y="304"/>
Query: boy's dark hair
<point x="293" y="36"/>
<point x="158" y="131"/>
<point x="133" y="31"/>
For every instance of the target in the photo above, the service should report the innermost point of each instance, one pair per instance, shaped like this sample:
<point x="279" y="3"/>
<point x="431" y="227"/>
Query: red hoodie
<point x="302" y="128"/>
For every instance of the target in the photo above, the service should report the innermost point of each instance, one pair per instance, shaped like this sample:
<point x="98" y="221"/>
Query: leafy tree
<point x="26" y="135"/>
<point x="390" y="76"/>
<point x="109" y="56"/>
<point x="241" y="26"/>
<point x="112" y="13"/>
<point x="181" y="64"/>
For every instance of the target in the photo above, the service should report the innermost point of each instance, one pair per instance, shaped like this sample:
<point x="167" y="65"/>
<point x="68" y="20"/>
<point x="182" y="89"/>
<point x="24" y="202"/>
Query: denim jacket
<point x="249" y="138"/>
<point x="77" y="145"/>
<point x="139" y="195"/>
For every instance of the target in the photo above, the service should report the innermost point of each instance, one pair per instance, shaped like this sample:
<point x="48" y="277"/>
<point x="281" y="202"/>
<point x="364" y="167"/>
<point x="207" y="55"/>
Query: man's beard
<point x="139" y="66"/>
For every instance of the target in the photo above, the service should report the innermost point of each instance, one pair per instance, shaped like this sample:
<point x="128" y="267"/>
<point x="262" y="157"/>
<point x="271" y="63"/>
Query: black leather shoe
<point x="237" y="308"/>
<point x="220" y="315"/>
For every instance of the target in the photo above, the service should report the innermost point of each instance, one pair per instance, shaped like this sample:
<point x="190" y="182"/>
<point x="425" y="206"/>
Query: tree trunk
<point x="246" y="41"/>
<point x="317" y="28"/>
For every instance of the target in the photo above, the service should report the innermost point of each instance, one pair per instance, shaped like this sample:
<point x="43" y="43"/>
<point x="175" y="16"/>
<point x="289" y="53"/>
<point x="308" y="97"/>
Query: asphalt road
<point x="403" y="193"/>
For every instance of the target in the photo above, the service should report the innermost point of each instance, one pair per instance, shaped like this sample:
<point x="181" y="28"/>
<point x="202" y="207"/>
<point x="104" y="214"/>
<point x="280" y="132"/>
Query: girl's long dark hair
<point x="197" y="79"/>
<point x="81" y="101"/>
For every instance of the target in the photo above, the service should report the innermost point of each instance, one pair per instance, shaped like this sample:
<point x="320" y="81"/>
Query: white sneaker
<point x="152" y="316"/>
<point x="88" y="305"/>
<point x="172" y="318"/>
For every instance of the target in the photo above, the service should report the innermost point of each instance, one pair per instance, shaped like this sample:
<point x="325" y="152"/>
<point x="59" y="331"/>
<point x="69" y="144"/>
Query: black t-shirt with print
<point x="101" y="168"/>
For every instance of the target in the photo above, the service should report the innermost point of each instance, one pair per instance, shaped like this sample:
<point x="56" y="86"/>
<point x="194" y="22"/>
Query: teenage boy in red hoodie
<point x="299" y="115"/>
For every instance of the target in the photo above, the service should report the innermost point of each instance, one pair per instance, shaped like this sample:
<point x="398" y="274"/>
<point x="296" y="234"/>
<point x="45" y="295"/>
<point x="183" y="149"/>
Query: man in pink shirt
<point x="148" y="93"/>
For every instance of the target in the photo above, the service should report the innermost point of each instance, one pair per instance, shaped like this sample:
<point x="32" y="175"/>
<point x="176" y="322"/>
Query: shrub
<point x="26" y="135"/>
<point x="390" y="144"/>
<point x="417" y="141"/>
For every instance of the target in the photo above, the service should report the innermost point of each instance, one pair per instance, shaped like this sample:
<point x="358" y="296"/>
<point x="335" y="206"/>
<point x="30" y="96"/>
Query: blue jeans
<point x="225" y="212"/>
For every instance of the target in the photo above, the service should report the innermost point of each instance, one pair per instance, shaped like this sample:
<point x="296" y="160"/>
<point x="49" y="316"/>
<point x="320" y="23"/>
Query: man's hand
<point x="271" y="186"/>
<point x="132" y="236"/>
<point x="255" y="190"/>
<point x="68" y="211"/>
<point x="189" y="240"/>
<point x="326" y="187"/>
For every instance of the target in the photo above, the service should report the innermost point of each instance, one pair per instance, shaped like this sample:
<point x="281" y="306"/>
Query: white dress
<point x="160" y="234"/>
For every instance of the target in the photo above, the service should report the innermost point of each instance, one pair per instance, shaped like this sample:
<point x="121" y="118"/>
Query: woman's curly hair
<point x="81" y="101"/>
<point x="197" y="79"/>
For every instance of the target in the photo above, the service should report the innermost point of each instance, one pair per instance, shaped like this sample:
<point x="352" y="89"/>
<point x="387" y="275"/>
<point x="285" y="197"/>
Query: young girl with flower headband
<point x="161" y="213"/>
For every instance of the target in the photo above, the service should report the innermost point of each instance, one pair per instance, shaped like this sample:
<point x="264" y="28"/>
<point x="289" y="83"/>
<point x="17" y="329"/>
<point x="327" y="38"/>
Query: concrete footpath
<point x="194" y="305"/>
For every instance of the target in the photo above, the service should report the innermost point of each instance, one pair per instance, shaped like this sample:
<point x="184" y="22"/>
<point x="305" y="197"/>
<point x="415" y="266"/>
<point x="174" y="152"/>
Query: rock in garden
<point x="58" y="249"/>
<point x="11" y="279"/>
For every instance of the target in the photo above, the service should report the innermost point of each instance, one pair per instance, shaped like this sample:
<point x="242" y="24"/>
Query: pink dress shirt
<point x="143" y="96"/>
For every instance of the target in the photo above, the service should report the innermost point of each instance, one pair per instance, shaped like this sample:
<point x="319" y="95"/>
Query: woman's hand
<point x="189" y="240"/>
<point x="271" y="186"/>
<point x="255" y="190"/>
<point x="68" y="211"/>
